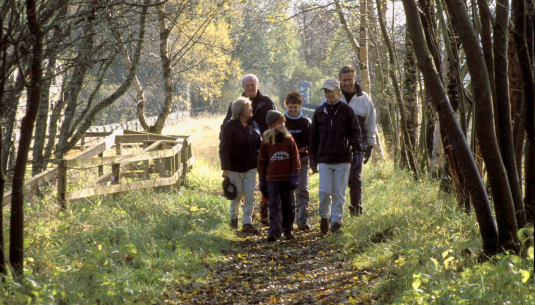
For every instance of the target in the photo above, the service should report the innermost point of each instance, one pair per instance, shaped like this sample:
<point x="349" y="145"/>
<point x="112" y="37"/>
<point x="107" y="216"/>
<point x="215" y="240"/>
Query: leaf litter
<point x="307" y="270"/>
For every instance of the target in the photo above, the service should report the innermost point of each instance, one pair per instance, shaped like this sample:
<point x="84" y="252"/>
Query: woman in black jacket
<point x="238" y="151"/>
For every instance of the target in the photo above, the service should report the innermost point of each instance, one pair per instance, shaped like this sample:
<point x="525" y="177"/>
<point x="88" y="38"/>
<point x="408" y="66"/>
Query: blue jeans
<point x="332" y="190"/>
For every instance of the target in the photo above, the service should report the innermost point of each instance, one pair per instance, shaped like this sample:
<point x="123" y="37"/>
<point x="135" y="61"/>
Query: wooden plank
<point x="97" y="134"/>
<point x="107" y="176"/>
<point x="110" y="189"/>
<point x="93" y="162"/>
<point x="138" y="138"/>
<point x="51" y="173"/>
<point x="127" y="131"/>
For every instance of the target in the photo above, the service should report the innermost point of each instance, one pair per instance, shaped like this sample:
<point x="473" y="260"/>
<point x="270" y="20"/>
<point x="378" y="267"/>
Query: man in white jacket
<point x="362" y="105"/>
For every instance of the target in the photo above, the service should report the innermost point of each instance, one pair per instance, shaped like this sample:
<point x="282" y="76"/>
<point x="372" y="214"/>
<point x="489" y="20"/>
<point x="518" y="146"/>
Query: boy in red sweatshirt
<point x="278" y="169"/>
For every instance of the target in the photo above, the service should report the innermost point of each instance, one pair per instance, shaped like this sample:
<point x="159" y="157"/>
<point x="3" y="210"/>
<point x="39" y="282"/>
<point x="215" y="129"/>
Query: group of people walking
<point x="281" y="148"/>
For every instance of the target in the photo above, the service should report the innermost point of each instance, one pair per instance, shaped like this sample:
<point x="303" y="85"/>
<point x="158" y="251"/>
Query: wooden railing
<point x="169" y="156"/>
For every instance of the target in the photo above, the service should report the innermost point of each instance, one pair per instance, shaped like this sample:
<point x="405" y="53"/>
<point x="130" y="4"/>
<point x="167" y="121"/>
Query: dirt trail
<point x="307" y="270"/>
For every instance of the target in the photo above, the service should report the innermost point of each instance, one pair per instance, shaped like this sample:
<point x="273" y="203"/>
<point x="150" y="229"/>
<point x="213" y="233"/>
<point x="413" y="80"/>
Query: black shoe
<point x="234" y="223"/>
<point x="264" y="215"/>
<point x="289" y="236"/>
<point x="248" y="228"/>
<point x="336" y="227"/>
<point x="324" y="225"/>
<point x="304" y="227"/>
<point x="272" y="239"/>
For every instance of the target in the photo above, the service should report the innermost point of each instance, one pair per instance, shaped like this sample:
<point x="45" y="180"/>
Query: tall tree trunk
<point x="455" y="91"/>
<point x="3" y="70"/>
<point x="409" y="92"/>
<point x="486" y="43"/>
<point x="167" y="73"/>
<point x="485" y="132"/>
<point x="347" y="30"/>
<point x="505" y="130"/>
<point x="16" y="240"/>
<point x="405" y="132"/>
<point x="525" y="62"/>
<point x="140" y="96"/>
<point x="52" y="49"/>
<point x="74" y="85"/>
<point x="474" y="183"/>
<point x="363" y="52"/>
<point x="9" y="109"/>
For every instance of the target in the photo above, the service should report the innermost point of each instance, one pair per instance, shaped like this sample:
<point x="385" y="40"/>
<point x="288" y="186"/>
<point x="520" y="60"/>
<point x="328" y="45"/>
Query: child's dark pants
<point x="281" y="208"/>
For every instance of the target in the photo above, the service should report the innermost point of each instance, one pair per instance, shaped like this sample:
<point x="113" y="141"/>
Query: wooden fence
<point x="170" y="157"/>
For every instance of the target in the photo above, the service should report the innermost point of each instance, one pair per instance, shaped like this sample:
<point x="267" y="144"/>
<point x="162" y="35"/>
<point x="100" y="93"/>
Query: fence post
<point x="116" y="167"/>
<point x="162" y="161"/>
<point x="146" y="164"/>
<point x="101" y="167"/>
<point x="62" y="184"/>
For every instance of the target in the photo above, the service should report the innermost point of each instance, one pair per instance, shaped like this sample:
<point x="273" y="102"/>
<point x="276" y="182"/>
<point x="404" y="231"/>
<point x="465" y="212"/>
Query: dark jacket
<point x="261" y="105"/>
<point x="334" y="136"/>
<point x="299" y="127"/>
<point x="277" y="162"/>
<point x="239" y="145"/>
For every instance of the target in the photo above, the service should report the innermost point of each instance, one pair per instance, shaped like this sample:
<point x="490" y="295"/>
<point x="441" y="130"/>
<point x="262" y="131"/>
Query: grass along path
<point x="311" y="269"/>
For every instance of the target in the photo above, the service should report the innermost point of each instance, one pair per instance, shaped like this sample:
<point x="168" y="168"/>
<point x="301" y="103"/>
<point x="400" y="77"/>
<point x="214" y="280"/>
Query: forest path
<point x="307" y="270"/>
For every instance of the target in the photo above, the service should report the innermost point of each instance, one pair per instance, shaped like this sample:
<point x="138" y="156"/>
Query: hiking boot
<point x="264" y="215"/>
<point x="324" y="225"/>
<point x="234" y="223"/>
<point x="289" y="235"/>
<point x="249" y="228"/>
<point x="271" y="239"/>
<point x="336" y="227"/>
<point x="304" y="227"/>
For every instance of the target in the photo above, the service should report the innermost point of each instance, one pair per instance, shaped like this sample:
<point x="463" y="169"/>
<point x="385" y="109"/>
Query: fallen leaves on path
<point x="307" y="270"/>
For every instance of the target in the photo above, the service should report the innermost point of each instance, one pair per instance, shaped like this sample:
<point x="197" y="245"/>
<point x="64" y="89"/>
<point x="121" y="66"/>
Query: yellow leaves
<point x="400" y="261"/>
<point x="416" y="282"/>
<point x="525" y="275"/>
<point x="352" y="301"/>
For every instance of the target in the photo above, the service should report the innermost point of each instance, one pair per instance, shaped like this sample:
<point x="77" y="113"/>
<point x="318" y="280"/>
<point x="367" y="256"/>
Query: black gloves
<point x="313" y="164"/>
<point x="262" y="186"/>
<point x="368" y="154"/>
<point x="294" y="181"/>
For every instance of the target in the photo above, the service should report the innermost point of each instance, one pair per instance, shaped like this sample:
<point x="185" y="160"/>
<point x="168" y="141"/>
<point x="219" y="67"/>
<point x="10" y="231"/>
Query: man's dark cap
<point x="229" y="189"/>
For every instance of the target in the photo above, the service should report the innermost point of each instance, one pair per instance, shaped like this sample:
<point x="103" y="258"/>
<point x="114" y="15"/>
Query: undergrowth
<point x="417" y="247"/>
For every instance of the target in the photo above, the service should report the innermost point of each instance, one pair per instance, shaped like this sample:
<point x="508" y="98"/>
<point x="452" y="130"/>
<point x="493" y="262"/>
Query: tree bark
<point x="347" y="30"/>
<point x="406" y="138"/>
<point x="439" y="98"/>
<point x="16" y="240"/>
<point x="485" y="131"/>
<point x="503" y="109"/>
<point x="140" y="96"/>
<point x="167" y="73"/>
<point x="3" y="70"/>
<point x="363" y="52"/>
<point x="409" y="92"/>
<point x="525" y="62"/>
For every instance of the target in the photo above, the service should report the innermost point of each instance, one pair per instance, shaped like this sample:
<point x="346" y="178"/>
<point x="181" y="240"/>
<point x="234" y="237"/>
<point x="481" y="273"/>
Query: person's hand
<point x="356" y="159"/>
<point x="262" y="186"/>
<point x="313" y="165"/>
<point x="294" y="181"/>
<point x="303" y="149"/>
<point x="367" y="154"/>
<point x="226" y="174"/>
